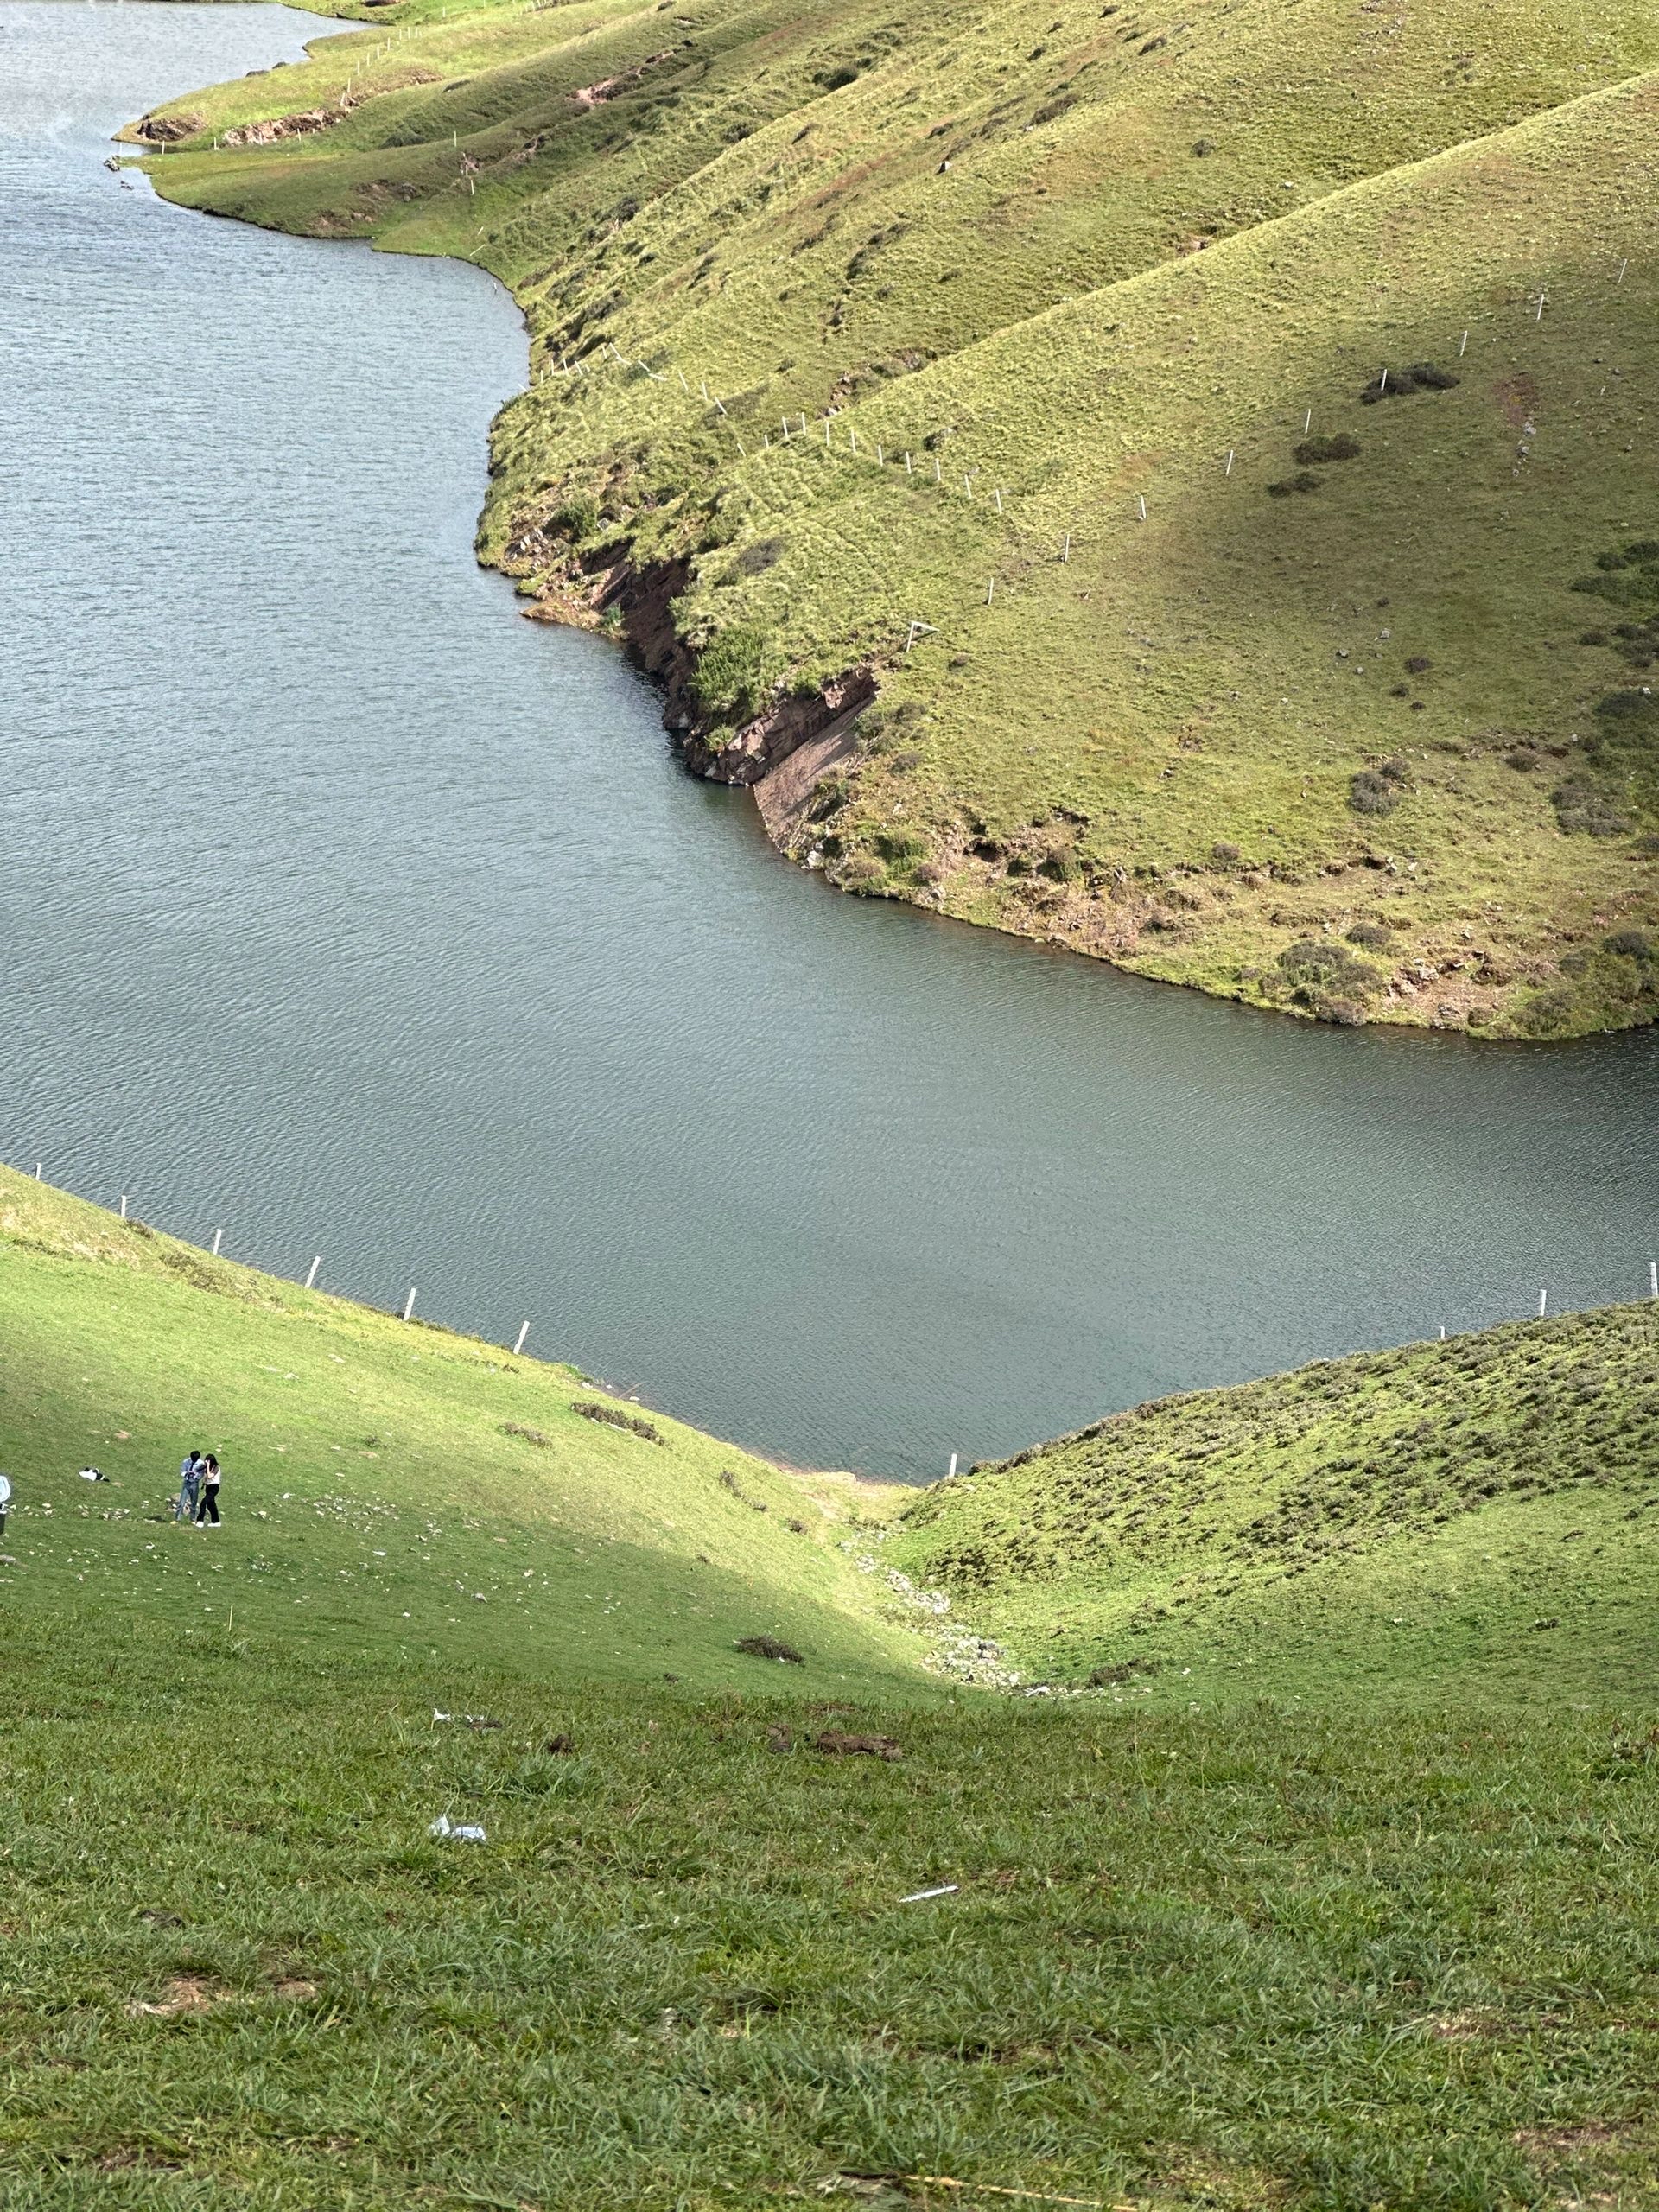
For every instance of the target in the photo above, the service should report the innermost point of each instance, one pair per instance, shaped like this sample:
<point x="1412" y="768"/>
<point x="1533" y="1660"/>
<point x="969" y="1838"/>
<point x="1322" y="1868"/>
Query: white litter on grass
<point x="92" y="1475"/>
<point x="455" y="1832"/>
<point x="944" y="1890"/>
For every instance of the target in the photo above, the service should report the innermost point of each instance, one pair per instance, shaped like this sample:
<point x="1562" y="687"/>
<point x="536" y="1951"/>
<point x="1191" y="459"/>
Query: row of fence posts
<point x="311" y="1272"/>
<point x="519" y="1345"/>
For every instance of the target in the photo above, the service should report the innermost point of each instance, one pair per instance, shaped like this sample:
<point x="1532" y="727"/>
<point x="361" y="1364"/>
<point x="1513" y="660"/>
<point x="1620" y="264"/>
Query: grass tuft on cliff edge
<point x="1252" y="406"/>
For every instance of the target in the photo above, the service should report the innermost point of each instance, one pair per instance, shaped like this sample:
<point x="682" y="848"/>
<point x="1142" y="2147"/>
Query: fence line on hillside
<point x="519" y="1345"/>
<point x="795" y="431"/>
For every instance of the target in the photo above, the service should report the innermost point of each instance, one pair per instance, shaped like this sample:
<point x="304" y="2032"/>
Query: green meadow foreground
<point x="1181" y="484"/>
<point x="1358" y="1912"/>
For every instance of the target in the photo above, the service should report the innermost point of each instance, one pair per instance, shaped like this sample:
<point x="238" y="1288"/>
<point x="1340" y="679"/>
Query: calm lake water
<point x="345" y="910"/>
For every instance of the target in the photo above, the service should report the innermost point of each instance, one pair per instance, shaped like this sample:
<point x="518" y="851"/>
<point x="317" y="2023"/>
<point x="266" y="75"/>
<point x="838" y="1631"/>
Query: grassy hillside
<point x="1204" y="1950"/>
<point x="389" y="1487"/>
<point x="1475" y="1516"/>
<point x="1337" y="704"/>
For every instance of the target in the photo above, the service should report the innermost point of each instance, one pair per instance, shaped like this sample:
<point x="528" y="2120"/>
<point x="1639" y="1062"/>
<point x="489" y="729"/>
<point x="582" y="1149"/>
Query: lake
<point x="348" y="913"/>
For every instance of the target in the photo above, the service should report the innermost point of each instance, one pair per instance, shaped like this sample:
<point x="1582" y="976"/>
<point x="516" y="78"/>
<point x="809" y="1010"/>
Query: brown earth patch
<point x="1517" y="396"/>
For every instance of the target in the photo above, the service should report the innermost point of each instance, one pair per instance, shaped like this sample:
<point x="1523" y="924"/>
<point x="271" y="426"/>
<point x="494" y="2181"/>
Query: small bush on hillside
<point x="1313" y="452"/>
<point x="1583" y="809"/>
<point x="863" y="874"/>
<point x="769" y="1647"/>
<point x="578" y="517"/>
<point x="613" y="1417"/>
<point x="1372" y="936"/>
<point x="1629" y="945"/>
<point x="1324" y="976"/>
<point x="1371" y="793"/>
<point x="730" y="673"/>
<point x="1547" y="1015"/>
<point x="1303" y="480"/>
<point x="1400" y="384"/>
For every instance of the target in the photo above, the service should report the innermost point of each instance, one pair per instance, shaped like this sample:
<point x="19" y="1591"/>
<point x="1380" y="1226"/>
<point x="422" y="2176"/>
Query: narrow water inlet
<point x="349" y="914"/>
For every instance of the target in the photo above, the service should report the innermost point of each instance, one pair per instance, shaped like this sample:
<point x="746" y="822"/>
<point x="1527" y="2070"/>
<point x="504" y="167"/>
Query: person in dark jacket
<point x="208" y="1509"/>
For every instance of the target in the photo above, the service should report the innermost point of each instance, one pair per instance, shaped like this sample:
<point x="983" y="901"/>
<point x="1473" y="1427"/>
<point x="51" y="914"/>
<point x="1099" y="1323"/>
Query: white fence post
<point x="409" y="1305"/>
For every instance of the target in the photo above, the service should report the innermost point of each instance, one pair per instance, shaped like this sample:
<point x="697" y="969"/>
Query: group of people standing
<point x="198" y="1497"/>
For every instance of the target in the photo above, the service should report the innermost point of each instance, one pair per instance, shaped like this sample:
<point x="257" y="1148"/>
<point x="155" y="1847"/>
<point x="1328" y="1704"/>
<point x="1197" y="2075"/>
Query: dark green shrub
<point x="1314" y="452"/>
<point x="1549" y="1011"/>
<point x="578" y="517"/>
<point x="613" y="1417"/>
<point x="1629" y="945"/>
<point x="1059" y="866"/>
<point x="1371" y="935"/>
<point x="729" y="674"/>
<point x="1584" y="809"/>
<point x="1320" y="966"/>
<point x="1303" y="481"/>
<point x="863" y="873"/>
<point x="899" y="848"/>
<point x="769" y="1647"/>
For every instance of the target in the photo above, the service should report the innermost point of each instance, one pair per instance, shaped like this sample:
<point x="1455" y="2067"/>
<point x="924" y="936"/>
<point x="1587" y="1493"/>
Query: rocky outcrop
<point x="762" y="745"/>
<point x="277" y="127"/>
<point x="166" y="129"/>
<point x="640" y="601"/>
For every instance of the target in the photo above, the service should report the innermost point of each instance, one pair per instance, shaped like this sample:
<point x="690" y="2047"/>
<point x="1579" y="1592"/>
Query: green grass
<point x="1382" y="1938"/>
<point x="1476" y="1518"/>
<point x="389" y="1488"/>
<point x="1081" y="256"/>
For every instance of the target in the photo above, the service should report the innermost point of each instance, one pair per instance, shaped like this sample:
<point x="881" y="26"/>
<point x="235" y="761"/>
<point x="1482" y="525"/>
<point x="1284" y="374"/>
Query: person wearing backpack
<point x="208" y="1509"/>
<point x="184" y="1506"/>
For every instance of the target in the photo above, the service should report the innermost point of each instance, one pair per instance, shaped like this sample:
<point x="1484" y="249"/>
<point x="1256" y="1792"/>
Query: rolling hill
<point x="1476" y="1517"/>
<point x="1177" y="487"/>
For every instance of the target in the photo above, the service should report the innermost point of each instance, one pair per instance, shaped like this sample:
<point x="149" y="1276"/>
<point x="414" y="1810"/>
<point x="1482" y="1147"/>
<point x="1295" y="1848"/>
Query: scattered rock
<point x="613" y="1417"/>
<point x="184" y="1993"/>
<point x="769" y="1647"/>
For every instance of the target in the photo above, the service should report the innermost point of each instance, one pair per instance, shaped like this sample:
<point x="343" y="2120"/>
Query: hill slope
<point x="389" y="1487"/>
<point x="1242" y="1956"/>
<point x="1353" y="727"/>
<point x="1475" y="1516"/>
